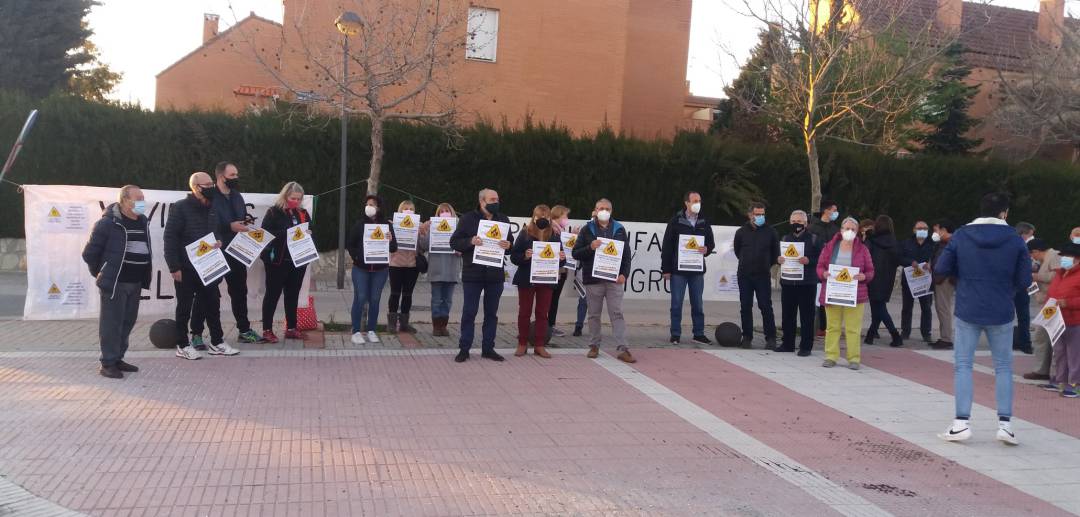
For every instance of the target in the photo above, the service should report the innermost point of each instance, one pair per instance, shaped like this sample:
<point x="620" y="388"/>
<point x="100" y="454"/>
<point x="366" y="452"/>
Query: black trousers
<point x="190" y="292"/>
<point x="553" y="311"/>
<point x="798" y="301"/>
<point x="926" y="322"/>
<point x="760" y="288"/>
<point x="402" y="283"/>
<point x="236" y="279"/>
<point x="282" y="278"/>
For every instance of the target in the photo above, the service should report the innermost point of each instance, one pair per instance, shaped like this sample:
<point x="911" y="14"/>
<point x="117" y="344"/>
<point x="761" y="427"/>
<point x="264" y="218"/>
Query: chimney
<point x="948" y="15"/>
<point x="1051" y="21"/>
<point x="209" y="26"/>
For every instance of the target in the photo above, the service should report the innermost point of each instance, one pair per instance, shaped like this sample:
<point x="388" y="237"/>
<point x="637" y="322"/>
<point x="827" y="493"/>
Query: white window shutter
<point x="483" y="36"/>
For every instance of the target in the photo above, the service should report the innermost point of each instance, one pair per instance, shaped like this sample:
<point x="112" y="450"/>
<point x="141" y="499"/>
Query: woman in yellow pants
<point x="845" y="250"/>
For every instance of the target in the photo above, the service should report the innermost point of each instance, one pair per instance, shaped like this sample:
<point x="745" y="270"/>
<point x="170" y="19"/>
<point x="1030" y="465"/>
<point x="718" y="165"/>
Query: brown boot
<point x="539" y="351"/>
<point x="594" y="352"/>
<point x="438" y="326"/>
<point x="625" y="356"/>
<point x="521" y="349"/>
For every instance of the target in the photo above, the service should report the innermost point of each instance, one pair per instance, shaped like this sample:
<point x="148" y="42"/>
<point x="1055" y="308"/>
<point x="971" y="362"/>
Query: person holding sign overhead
<point x="444" y="264"/>
<point x="843" y="261"/>
<point x="688" y="239"/>
<point x="535" y="243"/>
<point x="403" y="270"/>
<point x="1065" y="290"/>
<point x="800" y="247"/>
<point x="192" y="220"/>
<point x="282" y="273"/>
<point x="602" y="250"/>
<point x="370" y="244"/>
<point x="482" y="270"/>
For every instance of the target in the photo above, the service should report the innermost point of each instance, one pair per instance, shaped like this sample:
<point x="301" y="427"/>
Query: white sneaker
<point x="372" y="336"/>
<point x="358" y="338"/>
<point x="1005" y="434"/>
<point x="221" y="349"/>
<point x="188" y="352"/>
<point x="959" y="431"/>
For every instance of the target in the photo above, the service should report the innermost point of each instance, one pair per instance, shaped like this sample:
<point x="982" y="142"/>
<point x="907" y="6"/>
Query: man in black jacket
<point x="598" y="290"/>
<point x="757" y="247"/>
<point x="190" y="219"/>
<point x="825" y="228"/>
<point x="477" y="279"/>
<point x="914" y="251"/>
<point x="232" y="218"/>
<point x="119" y="258"/>
<point x="797" y="296"/>
<point x="687" y="222"/>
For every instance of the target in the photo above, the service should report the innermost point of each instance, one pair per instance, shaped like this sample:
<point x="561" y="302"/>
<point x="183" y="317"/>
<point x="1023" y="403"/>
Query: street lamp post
<point x="349" y="24"/>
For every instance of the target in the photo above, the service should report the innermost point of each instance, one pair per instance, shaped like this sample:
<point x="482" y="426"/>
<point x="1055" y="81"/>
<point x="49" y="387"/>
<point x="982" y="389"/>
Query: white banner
<point x="59" y="219"/>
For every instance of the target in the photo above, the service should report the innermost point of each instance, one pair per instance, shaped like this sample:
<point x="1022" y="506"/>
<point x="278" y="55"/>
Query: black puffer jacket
<point x="461" y="241"/>
<point x="189" y="220"/>
<point x="757" y="250"/>
<point x="885" y="252"/>
<point x="105" y="251"/>
<point x="276" y="222"/>
<point x="355" y="243"/>
<point x="523" y="243"/>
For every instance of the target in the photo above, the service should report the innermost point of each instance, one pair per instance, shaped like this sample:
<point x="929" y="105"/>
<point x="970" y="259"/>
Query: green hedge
<point x="77" y="142"/>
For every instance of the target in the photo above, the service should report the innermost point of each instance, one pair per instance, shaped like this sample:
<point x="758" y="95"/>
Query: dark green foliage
<point x="946" y="107"/>
<point x="41" y="44"/>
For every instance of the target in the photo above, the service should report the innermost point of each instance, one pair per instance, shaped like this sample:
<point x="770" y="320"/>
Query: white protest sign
<point x="919" y="280"/>
<point x="792" y="269"/>
<point x="1050" y="318"/>
<point x="406" y="228"/>
<point x="247" y="246"/>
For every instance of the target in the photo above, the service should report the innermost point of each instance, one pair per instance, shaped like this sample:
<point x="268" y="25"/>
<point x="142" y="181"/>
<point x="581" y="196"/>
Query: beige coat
<point x="1050" y="264"/>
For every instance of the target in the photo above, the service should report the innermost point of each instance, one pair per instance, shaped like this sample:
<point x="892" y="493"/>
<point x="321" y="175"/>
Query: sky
<point x="140" y="38"/>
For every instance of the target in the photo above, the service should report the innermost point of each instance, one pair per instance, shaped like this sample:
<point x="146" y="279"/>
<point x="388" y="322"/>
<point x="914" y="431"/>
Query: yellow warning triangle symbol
<point x="407" y="222"/>
<point x="610" y="249"/>
<point x="548" y="253"/>
<point x="258" y="235"/>
<point x="570" y="243"/>
<point x="203" y="249"/>
<point x="298" y="234"/>
<point x="54" y="289"/>
<point x="444" y="226"/>
<point x="1049" y="312"/>
<point x="844" y="276"/>
<point x="791" y="252"/>
<point x="494" y="233"/>
<point x="378" y="234"/>
<point x="692" y="244"/>
<point x="54" y="212"/>
<point x="917" y="272"/>
<point x="723" y="279"/>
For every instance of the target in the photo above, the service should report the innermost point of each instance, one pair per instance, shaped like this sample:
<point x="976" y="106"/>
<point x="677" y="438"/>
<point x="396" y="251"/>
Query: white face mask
<point x="848" y="235"/>
<point x="446" y="214"/>
<point x="370" y="211"/>
<point x="695" y="208"/>
<point x="935" y="237"/>
<point x="407" y="211"/>
<point x="603" y="216"/>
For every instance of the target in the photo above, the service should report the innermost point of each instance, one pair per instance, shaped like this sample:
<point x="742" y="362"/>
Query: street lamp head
<point x="349" y="23"/>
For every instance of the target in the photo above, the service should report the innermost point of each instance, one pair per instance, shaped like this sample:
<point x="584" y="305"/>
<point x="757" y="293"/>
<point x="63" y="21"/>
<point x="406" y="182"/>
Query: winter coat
<point x="355" y="243"/>
<point x="276" y="222"/>
<point x="912" y="251"/>
<point x="104" y="253"/>
<point x="680" y="225"/>
<point x="442" y="267"/>
<point x="1046" y="273"/>
<point x="584" y="254"/>
<point x="860" y="258"/>
<point x="825" y="231"/>
<point x="1066" y="286"/>
<point x="990" y="263"/>
<point x="757" y="250"/>
<point x="461" y="241"/>
<point x="523" y="243"/>
<point x="885" y="252"/>
<point x="812" y="250"/>
<point x="189" y="220"/>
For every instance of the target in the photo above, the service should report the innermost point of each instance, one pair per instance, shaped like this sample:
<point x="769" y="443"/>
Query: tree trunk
<point x="815" y="174"/>
<point x="375" y="173"/>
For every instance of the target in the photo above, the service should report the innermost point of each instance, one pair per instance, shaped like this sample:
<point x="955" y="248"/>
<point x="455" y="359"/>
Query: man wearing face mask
<point x="757" y="247"/>
<point x="918" y="249"/>
<point x="797" y="296"/>
<point x="597" y="290"/>
<point x="477" y="279"/>
<point x="1047" y="261"/>
<point x="944" y="287"/>
<point x="825" y="227"/>
<point x="1074" y="236"/>
<point x="1022" y="301"/>
<point x="119" y="258"/>
<point x="688" y="221"/>
<point x="232" y="218"/>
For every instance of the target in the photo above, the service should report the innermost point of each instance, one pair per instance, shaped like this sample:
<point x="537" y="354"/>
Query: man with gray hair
<point x="598" y="290"/>
<point x="119" y="258"/>
<point x="797" y="295"/>
<point x="1022" y="301"/>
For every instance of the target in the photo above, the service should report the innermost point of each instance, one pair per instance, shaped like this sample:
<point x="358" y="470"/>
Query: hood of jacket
<point x="989" y="235"/>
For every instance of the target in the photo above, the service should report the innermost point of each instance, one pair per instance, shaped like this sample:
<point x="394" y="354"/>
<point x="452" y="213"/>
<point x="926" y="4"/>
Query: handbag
<point x="421" y="263"/>
<point x="305" y="316"/>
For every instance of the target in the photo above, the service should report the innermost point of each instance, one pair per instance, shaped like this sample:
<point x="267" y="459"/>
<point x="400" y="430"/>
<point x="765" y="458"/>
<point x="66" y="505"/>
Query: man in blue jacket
<point x="680" y="277"/>
<point x="119" y="258"/>
<point x="990" y="263"/>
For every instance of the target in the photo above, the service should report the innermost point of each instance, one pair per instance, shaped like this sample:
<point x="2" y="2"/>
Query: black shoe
<point x="493" y="355"/>
<point x="868" y="340"/>
<point x="803" y="353"/>
<point x="577" y="332"/>
<point x="702" y="340"/>
<point x="461" y="356"/>
<point x="746" y="342"/>
<point x="111" y="371"/>
<point x="941" y="345"/>
<point x="906" y="334"/>
<point x="897" y="341"/>
<point x="674" y="340"/>
<point x="782" y="348"/>
<point x="1026" y="349"/>
<point x="927" y="339"/>
<point x="126" y="367"/>
<point x="770" y="343"/>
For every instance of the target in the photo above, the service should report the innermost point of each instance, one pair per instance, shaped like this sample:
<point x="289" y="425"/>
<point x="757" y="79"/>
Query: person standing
<point x="1047" y="262"/>
<point x="282" y="276"/>
<point x="756" y="246"/>
<point x="1065" y="288"/>
<point x="560" y="222"/>
<point x="232" y="218"/>
<point x="598" y="290"/>
<point x="1022" y="300"/>
<point x="531" y="295"/>
<point x="990" y="263"/>
<point x="687" y="221"/>
<point x="403" y="275"/>
<point x="444" y="271"/>
<point x="479" y="280"/>
<point x="944" y="287"/>
<point x="118" y="256"/>
<point x="917" y="250"/>
<point x="825" y="227"/>
<point x="368" y="278"/>
<point x="845" y="250"/>
<point x="797" y="296"/>
<point x="191" y="219"/>
<point x="885" y="253"/>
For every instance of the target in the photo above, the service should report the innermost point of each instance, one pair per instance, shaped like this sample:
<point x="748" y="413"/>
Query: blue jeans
<point x="442" y="295"/>
<point x="367" y="289"/>
<point x="750" y="287"/>
<point x="491" y="291"/>
<point x="679" y="284"/>
<point x="967" y="340"/>
<point x="582" y="311"/>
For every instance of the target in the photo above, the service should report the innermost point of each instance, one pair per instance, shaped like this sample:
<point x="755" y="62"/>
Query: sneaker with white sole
<point x="959" y="431"/>
<point x="188" y="352"/>
<point x="1006" y="435"/>
<point x="221" y="349"/>
<point x="358" y="338"/>
<point x="372" y="336"/>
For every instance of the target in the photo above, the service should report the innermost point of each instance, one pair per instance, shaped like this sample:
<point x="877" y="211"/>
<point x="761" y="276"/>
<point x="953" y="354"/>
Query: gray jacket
<point x="442" y="267"/>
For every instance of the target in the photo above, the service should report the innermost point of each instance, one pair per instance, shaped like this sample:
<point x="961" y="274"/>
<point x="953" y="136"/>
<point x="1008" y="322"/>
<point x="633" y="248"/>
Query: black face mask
<point x="542" y="224"/>
<point x="798" y="227"/>
<point x="233" y="183"/>
<point x="492" y="208"/>
<point x="208" y="192"/>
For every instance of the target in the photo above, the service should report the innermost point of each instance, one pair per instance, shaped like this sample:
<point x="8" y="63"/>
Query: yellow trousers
<point x="850" y="318"/>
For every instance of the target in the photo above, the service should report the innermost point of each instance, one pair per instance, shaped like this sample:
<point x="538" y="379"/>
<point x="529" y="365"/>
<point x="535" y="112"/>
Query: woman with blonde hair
<point x="281" y="274"/>
<point x="533" y="296"/>
<point x="444" y="272"/>
<point x="403" y="275"/>
<point x="560" y="222"/>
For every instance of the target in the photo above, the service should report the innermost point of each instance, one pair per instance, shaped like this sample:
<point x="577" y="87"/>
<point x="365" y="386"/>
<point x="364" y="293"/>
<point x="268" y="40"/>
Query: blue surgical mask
<point x="834" y="216"/>
<point x="1076" y="240"/>
<point x="1067" y="263"/>
<point x="921" y="234"/>
<point x="759" y="220"/>
<point x="139" y="208"/>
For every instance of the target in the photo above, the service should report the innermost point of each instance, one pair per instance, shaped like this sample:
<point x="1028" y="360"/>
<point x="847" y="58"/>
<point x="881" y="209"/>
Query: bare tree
<point x="847" y="70"/>
<point x="1042" y="103"/>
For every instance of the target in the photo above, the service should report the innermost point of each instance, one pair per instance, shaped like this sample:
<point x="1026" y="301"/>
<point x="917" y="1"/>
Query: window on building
<point x="483" y="37"/>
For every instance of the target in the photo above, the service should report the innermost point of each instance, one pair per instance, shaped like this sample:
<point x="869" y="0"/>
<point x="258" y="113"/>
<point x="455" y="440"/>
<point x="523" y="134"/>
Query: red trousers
<point x="533" y="300"/>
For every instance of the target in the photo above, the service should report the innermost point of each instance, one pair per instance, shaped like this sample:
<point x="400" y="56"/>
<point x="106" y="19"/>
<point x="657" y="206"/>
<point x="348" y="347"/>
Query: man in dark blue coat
<point x="914" y="251"/>
<point x="682" y="278"/>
